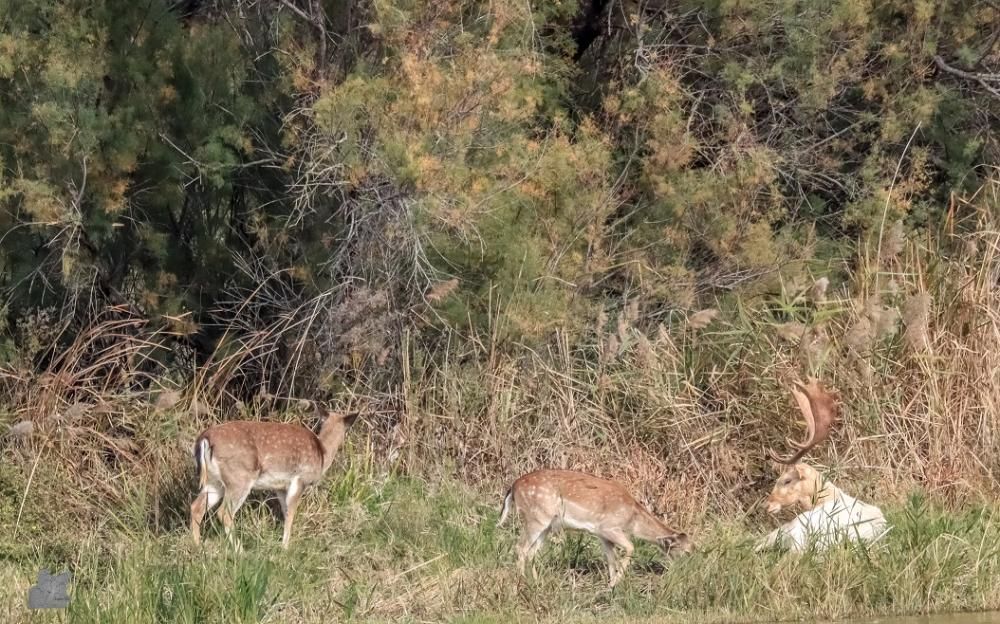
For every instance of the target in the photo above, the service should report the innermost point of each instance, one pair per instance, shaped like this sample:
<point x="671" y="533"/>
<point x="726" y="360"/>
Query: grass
<point x="385" y="547"/>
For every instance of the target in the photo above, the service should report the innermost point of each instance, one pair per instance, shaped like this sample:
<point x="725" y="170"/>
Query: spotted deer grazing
<point x="829" y="515"/>
<point x="564" y="499"/>
<point x="236" y="457"/>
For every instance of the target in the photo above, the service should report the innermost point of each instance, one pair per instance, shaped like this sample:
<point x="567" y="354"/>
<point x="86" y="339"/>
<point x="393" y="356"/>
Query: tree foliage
<point x="343" y="170"/>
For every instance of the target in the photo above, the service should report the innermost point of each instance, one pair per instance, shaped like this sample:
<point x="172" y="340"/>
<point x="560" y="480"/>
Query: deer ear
<point x="350" y="418"/>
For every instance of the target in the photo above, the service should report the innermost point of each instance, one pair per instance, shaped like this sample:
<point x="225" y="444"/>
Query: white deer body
<point x="236" y="457"/>
<point x="843" y="518"/>
<point x="550" y="500"/>
<point x="830" y="515"/>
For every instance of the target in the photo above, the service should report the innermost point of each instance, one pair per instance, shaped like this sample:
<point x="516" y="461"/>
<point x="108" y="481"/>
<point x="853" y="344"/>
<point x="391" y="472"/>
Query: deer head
<point x="799" y="486"/>
<point x="820" y="410"/>
<point x="675" y="544"/>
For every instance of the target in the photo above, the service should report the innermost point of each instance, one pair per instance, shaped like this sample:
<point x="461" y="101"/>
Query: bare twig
<point x="984" y="79"/>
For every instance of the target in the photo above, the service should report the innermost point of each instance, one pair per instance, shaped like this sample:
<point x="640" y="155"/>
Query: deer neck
<point x="331" y="437"/>
<point x="825" y="493"/>
<point x="648" y="527"/>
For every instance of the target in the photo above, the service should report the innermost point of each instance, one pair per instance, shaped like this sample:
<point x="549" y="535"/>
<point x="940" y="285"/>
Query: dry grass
<point x="683" y="414"/>
<point x="672" y="409"/>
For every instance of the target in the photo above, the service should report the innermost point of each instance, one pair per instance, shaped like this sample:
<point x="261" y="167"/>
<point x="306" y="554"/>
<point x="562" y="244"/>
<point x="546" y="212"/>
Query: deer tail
<point x="507" y="500"/>
<point x="202" y="455"/>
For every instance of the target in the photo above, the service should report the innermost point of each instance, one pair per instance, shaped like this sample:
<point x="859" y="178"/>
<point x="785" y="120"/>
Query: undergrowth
<point x="96" y="471"/>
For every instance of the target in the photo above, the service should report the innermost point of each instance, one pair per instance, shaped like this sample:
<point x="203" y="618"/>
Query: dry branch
<point x="983" y="79"/>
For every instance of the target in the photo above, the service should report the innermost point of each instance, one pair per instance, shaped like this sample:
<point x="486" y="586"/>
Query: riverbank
<point x="369" y="547"/>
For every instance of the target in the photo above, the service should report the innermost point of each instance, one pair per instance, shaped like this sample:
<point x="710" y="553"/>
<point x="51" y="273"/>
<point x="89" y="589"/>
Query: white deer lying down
<point x="558" y="499"/>
<point x="830" y="515"/>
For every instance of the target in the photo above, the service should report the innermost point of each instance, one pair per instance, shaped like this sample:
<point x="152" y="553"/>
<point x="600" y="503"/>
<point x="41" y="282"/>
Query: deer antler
<point x="821" y="413"/>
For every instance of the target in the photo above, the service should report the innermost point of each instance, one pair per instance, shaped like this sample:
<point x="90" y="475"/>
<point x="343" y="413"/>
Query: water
<point x="950" y="618"/>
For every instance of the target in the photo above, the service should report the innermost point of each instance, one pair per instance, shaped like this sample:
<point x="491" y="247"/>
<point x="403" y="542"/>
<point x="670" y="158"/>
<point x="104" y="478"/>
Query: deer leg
<point x="197" y="514"/>
<point x="234" y="499"/>
<point x="531" y="541"/>
<point x="768" y="541"/>
<point x="533" y="550"/>
<point x="618" y="538"/>
<point x="289" y="503"/>
<point x="609" y="554"/>
<point x="203" y="503"/>
<point x="523" y="545"/>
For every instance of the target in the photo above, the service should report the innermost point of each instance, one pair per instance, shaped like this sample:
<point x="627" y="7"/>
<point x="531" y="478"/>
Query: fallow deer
<point x="550" y="500"/>
<point x="829" y="514"/>
<point x="236" y="457"/>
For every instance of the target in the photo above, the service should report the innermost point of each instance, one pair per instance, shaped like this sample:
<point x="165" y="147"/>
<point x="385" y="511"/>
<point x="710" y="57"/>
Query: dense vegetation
<point x="584" y="233"/>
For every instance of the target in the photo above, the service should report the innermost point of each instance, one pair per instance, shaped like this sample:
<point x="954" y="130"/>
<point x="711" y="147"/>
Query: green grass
<point x="392" y="548"/>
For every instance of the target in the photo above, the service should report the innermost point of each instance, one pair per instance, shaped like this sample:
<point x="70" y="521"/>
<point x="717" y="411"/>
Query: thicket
<point x="598" y="234"/>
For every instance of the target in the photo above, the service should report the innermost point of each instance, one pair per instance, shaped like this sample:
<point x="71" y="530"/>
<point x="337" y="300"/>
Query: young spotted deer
<point x="829" y="514"/>
<point x="236" y="457"/>
<point x="550" y="500"/>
